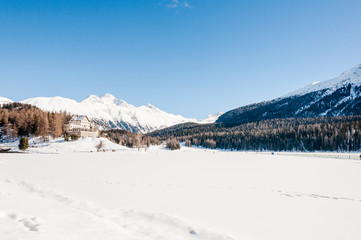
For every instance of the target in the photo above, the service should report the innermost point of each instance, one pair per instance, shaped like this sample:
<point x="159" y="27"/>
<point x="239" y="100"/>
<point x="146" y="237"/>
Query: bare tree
<point x="100" y="146"/>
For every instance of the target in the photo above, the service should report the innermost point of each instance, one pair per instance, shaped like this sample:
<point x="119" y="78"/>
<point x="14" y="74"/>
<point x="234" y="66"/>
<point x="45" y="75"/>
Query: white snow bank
<point x="81" y="145"/>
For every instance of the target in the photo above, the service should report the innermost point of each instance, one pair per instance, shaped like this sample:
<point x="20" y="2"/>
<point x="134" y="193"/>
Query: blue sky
<point x="191" y="57"/>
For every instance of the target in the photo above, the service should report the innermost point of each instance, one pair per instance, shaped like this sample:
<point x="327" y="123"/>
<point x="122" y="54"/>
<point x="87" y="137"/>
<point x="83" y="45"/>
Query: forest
<point x="293" y="134"/>
<point x="19" y="119"/>
<point x="341" y="133"/>
<point x="130" y="139"/>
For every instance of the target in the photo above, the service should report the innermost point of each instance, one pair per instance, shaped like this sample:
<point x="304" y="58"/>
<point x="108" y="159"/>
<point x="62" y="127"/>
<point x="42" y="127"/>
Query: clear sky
<point x="192" y="57"/>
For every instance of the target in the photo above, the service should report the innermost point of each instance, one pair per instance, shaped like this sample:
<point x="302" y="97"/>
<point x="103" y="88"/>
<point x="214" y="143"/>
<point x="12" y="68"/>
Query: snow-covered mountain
<point x="110" y="112"/>
<point x="211" y="118"/>
<point x="4" y="100"/>
<point x="336" y="97"/>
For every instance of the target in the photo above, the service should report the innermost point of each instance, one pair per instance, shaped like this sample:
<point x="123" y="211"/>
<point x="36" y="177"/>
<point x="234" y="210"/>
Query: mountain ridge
<point x="352" y="75"/>
<point x="112" y="113"/>
<point x="339" y="96"/>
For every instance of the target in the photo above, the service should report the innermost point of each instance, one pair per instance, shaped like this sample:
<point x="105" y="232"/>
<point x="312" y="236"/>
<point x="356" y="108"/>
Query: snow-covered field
<point x="186" y="194"/>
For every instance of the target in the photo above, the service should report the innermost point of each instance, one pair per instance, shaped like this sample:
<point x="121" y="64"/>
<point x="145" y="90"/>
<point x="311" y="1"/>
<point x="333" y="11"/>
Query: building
<point x="81" y="126"/>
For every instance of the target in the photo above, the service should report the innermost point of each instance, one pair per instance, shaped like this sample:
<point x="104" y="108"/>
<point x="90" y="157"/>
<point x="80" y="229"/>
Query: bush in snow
<point x="24" y="143"/>
<point x="66" y="137"/>
<point x="74" y="137"/>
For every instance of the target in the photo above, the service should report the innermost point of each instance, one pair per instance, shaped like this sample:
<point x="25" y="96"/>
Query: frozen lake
<point x="192" y="194"/>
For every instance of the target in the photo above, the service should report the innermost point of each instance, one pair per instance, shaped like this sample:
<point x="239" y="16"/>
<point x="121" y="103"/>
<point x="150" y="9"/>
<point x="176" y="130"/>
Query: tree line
<point x="20" y="119"/>
<point x="293" y="134"/>
<point x="130" y="139"/>
<point x="24" y="120"/>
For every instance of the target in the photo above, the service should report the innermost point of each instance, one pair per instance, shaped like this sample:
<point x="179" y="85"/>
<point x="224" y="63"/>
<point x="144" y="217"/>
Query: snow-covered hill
<point x="351" y="76"/>
<point x="211" y="118"/>
<point x="336" y="97"/>
<point x="110" y="112"/>
<point x="4" y="100"/>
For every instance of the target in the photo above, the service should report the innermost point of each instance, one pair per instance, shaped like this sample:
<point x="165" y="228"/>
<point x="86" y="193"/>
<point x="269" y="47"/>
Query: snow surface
<point x="351" y="76"/>
<point x="186" y="194"/>
<point x="80" y="146"/>
<point x="58" y="145"/>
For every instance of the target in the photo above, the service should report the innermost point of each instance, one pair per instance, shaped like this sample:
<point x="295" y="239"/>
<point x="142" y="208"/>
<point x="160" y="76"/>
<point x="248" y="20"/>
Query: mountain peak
<point x="92" y="99"/>
<point x="211" y="118"/>
<point x="111" y="99"/>
<point x="353" y="71"/>
<point x="108" y="96"/>
<point x="110" y="112"/>
<point x="4" y="100"/>
<point x="340" y="96"/>
<point x="92" y="96"/>
<point x="350" y="76"/>
<point x="151" y="106"/>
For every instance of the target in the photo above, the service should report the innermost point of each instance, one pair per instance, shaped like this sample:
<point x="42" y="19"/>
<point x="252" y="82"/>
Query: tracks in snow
<point x="134" y="224"/>
<point x="219" y="187"/>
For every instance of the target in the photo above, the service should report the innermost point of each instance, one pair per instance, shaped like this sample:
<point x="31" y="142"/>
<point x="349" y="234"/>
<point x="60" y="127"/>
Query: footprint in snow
<point x="191" y="231"/>
<point x="32" y="224"/>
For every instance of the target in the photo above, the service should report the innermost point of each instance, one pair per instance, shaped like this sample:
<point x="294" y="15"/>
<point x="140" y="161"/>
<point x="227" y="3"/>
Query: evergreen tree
<point x="23" y="144"/>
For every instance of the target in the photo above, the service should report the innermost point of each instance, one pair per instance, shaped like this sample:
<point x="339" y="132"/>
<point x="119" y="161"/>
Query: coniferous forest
<point x="341" y="133"/>
<point x="293" y="134"/>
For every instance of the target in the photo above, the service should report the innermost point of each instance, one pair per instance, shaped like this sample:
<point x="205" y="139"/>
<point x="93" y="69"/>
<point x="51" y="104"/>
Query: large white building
<point x="81" y="126"/>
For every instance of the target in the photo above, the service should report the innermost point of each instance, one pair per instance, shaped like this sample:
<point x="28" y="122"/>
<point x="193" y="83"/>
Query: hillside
<point x="342" y="133"/>
<point x="340" y="96"/>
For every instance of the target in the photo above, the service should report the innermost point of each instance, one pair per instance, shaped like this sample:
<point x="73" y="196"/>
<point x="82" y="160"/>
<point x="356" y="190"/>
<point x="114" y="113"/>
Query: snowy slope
<point x="211" y="118"/>
<point x="351" y="76"/>
<point x="4" y="100"/>
<point x="340" y="96"/>
<point x="110" y="112"/>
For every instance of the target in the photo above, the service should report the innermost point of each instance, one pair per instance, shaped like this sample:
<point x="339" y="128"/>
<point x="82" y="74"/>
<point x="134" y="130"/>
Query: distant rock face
<point x="336" y="97"/>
